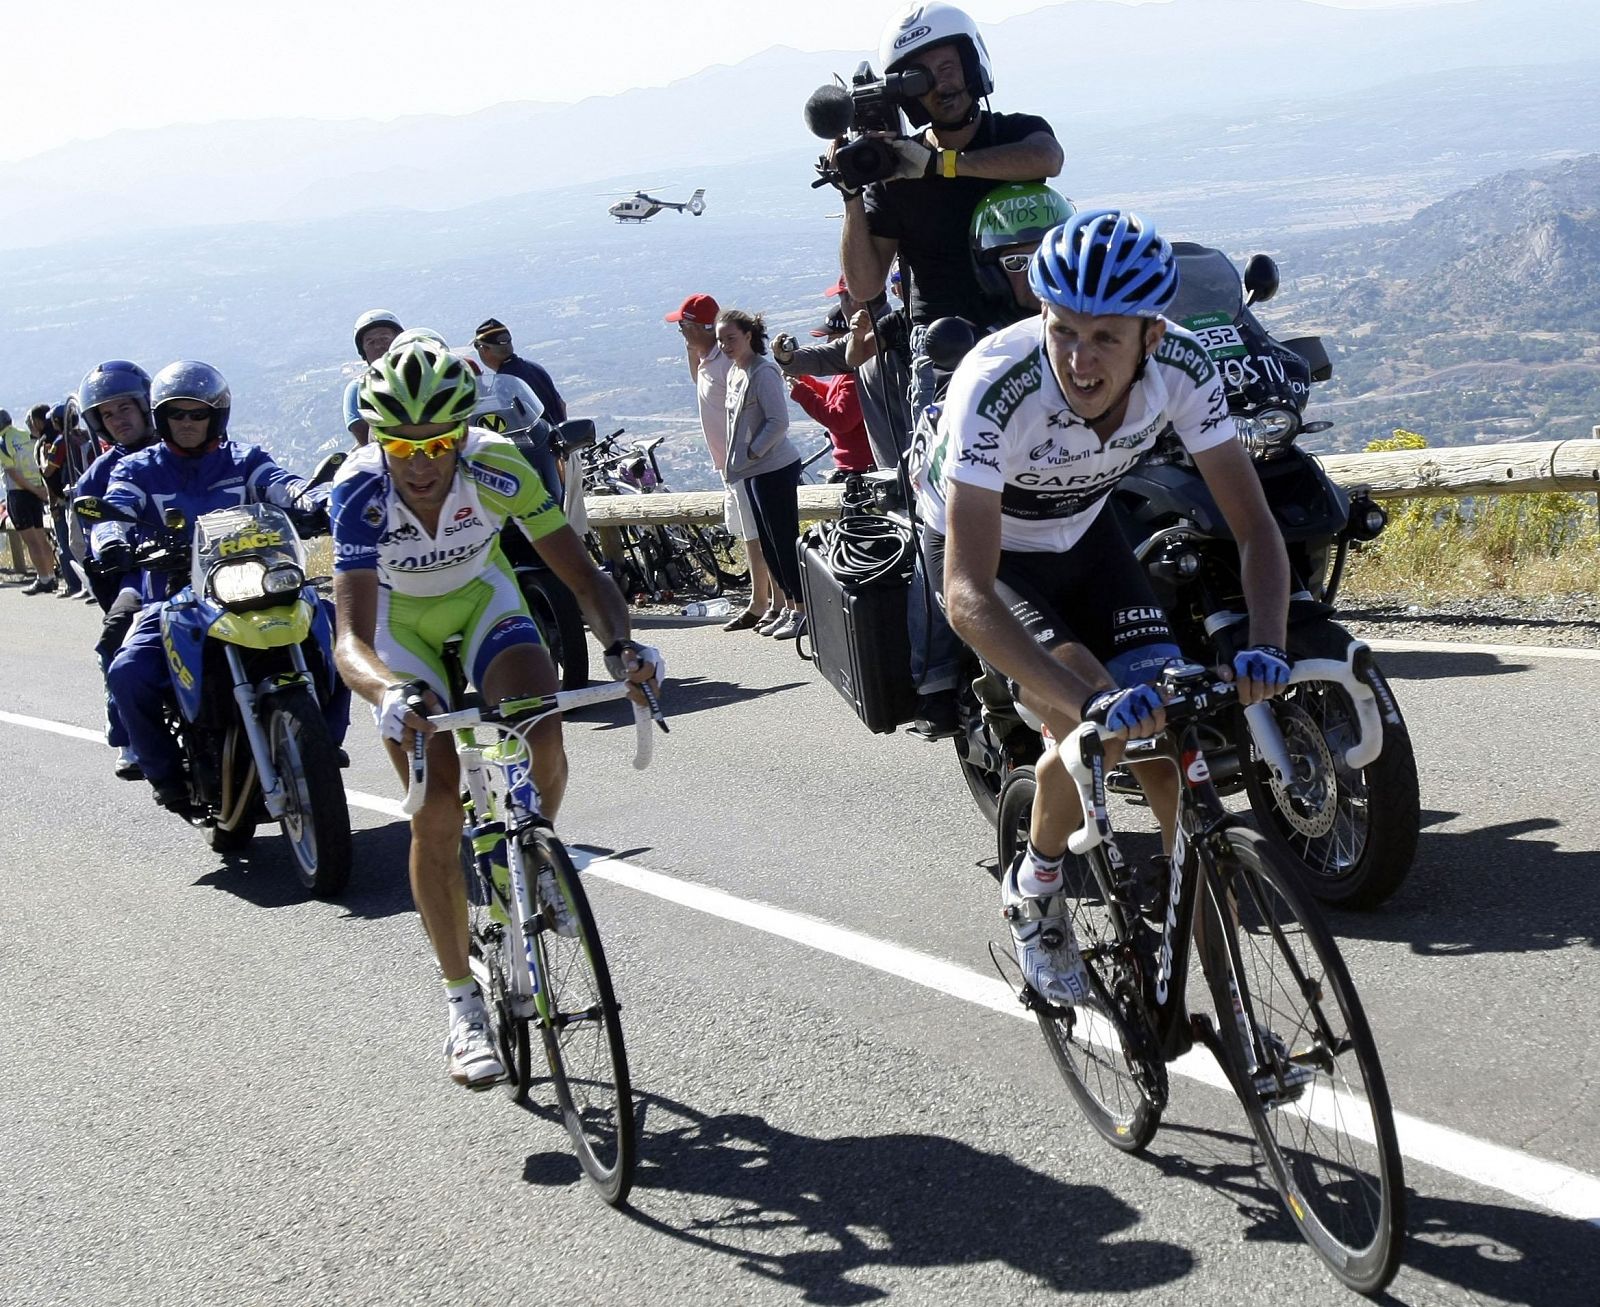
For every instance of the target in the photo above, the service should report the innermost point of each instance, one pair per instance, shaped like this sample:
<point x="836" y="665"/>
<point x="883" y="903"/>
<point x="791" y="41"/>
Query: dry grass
<point x="1522" y="545"/>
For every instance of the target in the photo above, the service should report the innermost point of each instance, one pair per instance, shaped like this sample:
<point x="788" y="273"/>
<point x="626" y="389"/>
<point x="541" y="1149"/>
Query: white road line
<point x="1550" y="1185"/>
<point x="1498" y="650"/>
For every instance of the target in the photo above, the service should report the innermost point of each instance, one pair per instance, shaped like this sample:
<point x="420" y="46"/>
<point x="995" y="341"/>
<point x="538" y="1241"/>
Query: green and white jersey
<point x="373" y="528"/>
<point x="1005" y="425"/>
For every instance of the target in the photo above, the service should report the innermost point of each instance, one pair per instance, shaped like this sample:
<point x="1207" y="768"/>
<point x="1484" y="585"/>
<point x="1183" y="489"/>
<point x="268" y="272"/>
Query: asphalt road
<point x="214" y="1091"/>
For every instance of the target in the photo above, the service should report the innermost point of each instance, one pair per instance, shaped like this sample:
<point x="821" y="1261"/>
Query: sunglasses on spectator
<point x="1015" y="262"/>
<point x="432" y="446"/>
<point x="187" y="414"/>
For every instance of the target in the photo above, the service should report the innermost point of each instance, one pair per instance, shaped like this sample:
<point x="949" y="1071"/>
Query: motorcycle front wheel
<point x="316" y="818"/>
<point x="1352" y="832"/>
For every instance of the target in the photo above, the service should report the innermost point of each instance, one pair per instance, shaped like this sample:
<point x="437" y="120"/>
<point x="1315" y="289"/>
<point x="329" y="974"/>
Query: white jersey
<point x="373" y="528"/>
<point x="1005" y="425"/>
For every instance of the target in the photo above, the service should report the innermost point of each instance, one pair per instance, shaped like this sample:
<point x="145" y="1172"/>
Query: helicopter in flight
<point x="639" y="206"/>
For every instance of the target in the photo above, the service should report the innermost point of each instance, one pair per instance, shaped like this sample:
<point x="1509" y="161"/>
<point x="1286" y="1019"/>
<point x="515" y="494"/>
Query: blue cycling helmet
<point x="1105" y="261"/>
<point x="113" y="379"/>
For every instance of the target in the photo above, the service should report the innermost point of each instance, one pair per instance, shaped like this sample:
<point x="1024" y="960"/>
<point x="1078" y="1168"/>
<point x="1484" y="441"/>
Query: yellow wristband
<point x="948" y="161"/>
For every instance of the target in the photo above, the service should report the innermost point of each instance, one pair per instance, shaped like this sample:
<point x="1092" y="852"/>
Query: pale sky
<point x="78" y="69"/>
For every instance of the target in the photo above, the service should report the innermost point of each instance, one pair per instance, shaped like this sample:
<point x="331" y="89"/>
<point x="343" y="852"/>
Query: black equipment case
<point x="858" y="636"/>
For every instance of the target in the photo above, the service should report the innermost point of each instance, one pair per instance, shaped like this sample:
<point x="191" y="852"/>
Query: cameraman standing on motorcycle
<point x="1040" y="422"/>
<point x="192" y="470"/>
<point x="923" y="212"/>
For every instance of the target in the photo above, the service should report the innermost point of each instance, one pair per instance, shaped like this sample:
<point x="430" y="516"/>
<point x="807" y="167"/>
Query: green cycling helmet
<point x="1016" y="213"/>
<point x="416" y="384"/>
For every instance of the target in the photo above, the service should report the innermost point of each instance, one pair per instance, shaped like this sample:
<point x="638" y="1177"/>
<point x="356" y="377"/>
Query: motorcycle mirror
<point x="174" y="519"/>
<point x="1260" y="279"/>
<point x="324" y="470"/>
<point x="576" y="433"/>
<point x="949" y="340"/>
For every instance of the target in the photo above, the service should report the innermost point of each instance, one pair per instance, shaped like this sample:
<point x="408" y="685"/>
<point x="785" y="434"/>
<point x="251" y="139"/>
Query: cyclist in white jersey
<point x="416" y="519"/>
<point x="1040" y="422"/>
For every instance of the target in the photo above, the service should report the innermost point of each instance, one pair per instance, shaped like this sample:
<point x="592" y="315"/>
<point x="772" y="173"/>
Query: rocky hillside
<point x="1478" y="319"/>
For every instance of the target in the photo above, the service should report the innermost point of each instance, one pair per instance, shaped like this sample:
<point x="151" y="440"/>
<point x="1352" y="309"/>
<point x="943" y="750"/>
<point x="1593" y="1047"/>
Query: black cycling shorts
<point x="25" y="509"/>
<point x="1099" y="584"/>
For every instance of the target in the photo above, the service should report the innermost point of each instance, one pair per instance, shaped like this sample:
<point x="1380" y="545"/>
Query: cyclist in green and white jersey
<point x="416" y="519"/>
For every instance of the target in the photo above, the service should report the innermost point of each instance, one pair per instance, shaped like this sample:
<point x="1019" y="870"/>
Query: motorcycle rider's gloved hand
<point x="1262" y="662"/>
<point x="1124" y="710"/>
<point x="115" y="556"/>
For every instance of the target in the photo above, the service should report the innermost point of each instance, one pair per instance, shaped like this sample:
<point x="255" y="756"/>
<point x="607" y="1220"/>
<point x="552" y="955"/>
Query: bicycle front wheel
<point x="1303" y="1062"/>
<point x="580" y="1023"/>
<point x="1108" y="1079"/>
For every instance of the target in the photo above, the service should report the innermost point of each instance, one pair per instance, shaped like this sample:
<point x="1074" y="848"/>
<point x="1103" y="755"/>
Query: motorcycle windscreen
<point x="1208" y="283"/>
<point x="260" y="533"/>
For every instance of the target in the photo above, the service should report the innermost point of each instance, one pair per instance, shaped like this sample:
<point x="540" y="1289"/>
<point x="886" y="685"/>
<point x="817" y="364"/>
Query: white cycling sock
<point x="462" y="995"/>
<point x="1040" y="875"/>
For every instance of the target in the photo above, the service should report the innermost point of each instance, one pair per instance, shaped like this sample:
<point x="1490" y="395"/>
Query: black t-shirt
<point x="930" y="217"/>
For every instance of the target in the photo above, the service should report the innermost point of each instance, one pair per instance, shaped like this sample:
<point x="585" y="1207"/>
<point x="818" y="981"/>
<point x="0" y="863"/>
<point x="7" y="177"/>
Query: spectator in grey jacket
<point x="761" y="457"/>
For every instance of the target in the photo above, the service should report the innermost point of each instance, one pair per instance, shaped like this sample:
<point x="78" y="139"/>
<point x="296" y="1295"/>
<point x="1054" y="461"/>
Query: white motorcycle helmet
<point x="923" y="26"/>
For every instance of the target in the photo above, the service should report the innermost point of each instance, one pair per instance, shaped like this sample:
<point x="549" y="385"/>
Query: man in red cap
<point x="708" y="369"/>
<point x="833" y="401"/>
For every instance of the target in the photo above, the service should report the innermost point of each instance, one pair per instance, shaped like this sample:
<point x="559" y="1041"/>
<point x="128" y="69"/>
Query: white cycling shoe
<point x="557" y="913"/>
<point x="473" y="1057"/>
<point x="1047" y="949"/>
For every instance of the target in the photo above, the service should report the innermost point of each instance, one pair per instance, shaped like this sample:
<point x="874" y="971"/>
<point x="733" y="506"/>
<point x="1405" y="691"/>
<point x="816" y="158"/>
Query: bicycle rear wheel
<point x="1090" y="1052"/>
<point x="1316" y="1099"/>
<point x="582" y="1029"/>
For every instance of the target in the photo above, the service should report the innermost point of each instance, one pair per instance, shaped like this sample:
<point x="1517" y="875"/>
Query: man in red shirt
<point x="835" y="402"/>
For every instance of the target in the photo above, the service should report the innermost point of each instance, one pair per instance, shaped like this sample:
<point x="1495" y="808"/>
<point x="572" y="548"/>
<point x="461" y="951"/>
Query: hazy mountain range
<point x="1247" y="136"/>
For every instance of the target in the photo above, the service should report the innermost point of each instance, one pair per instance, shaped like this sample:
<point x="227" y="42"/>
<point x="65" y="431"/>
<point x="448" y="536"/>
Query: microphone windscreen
<point x="830" y="111"/>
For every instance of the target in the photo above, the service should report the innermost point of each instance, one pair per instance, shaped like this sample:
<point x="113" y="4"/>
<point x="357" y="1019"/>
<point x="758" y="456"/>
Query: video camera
<point x="871" y="104"/>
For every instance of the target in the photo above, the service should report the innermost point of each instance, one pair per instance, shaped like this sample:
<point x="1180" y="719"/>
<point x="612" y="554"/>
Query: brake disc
<point x="1309" y="803"/>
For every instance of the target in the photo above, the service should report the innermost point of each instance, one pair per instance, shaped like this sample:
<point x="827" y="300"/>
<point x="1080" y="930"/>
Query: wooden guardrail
<point x="1570" y="465"/>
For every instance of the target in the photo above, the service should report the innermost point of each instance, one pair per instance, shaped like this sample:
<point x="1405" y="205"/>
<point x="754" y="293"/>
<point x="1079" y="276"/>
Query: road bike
<point x="1290" y="1036"/>
<point x="535" y="947"/>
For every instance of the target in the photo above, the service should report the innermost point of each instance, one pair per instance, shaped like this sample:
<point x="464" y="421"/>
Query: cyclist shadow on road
<point x="1455" y="900"/>
<point x="690" y="695"/>
<point x="264" y="873"/>
<point x="1420" y="665"/>
<point x="815" y="1213"/>
<point x="1503" y="1254"/>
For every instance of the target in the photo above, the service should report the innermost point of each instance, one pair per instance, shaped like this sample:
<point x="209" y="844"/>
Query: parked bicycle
<point x="663" y="561"/>
<point x="1290" y="1033"/>
<point x="535" y="948"/>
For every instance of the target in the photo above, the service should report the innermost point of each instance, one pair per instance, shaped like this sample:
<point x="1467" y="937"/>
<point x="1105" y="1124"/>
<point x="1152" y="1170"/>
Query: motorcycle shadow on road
<point x="1493" y="1252"/>
<point x="816" y="1213"/>
<point x="264" y="873"/>
<point x="1456" y="902"/>
<point x="1417" y="665"/>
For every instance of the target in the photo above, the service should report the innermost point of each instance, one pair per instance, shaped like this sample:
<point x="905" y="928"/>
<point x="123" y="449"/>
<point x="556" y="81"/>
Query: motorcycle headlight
<point x="250" y="583"/>
<point x="1269" y="429"/>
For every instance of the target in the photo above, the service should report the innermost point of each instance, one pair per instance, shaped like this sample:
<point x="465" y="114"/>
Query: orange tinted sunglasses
<point x="432" y="446"/>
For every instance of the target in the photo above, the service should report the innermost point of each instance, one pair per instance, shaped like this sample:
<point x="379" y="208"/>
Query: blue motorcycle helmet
<point x="114" y="379"/>
<point x="200" y="383"/>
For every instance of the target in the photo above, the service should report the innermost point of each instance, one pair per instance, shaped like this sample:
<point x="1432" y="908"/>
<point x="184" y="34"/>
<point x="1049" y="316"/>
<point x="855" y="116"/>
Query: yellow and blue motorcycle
<point x="249" y="646"/>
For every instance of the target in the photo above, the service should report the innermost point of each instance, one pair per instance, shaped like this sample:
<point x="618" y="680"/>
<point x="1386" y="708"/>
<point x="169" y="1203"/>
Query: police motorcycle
<point x="249" y="648"/>
<point x="1330" y="784"/>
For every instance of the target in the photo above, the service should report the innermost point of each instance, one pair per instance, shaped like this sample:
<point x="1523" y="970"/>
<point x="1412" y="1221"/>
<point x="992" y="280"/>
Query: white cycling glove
<point x="392" y="710"/>
<point x="643" y="652"/>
